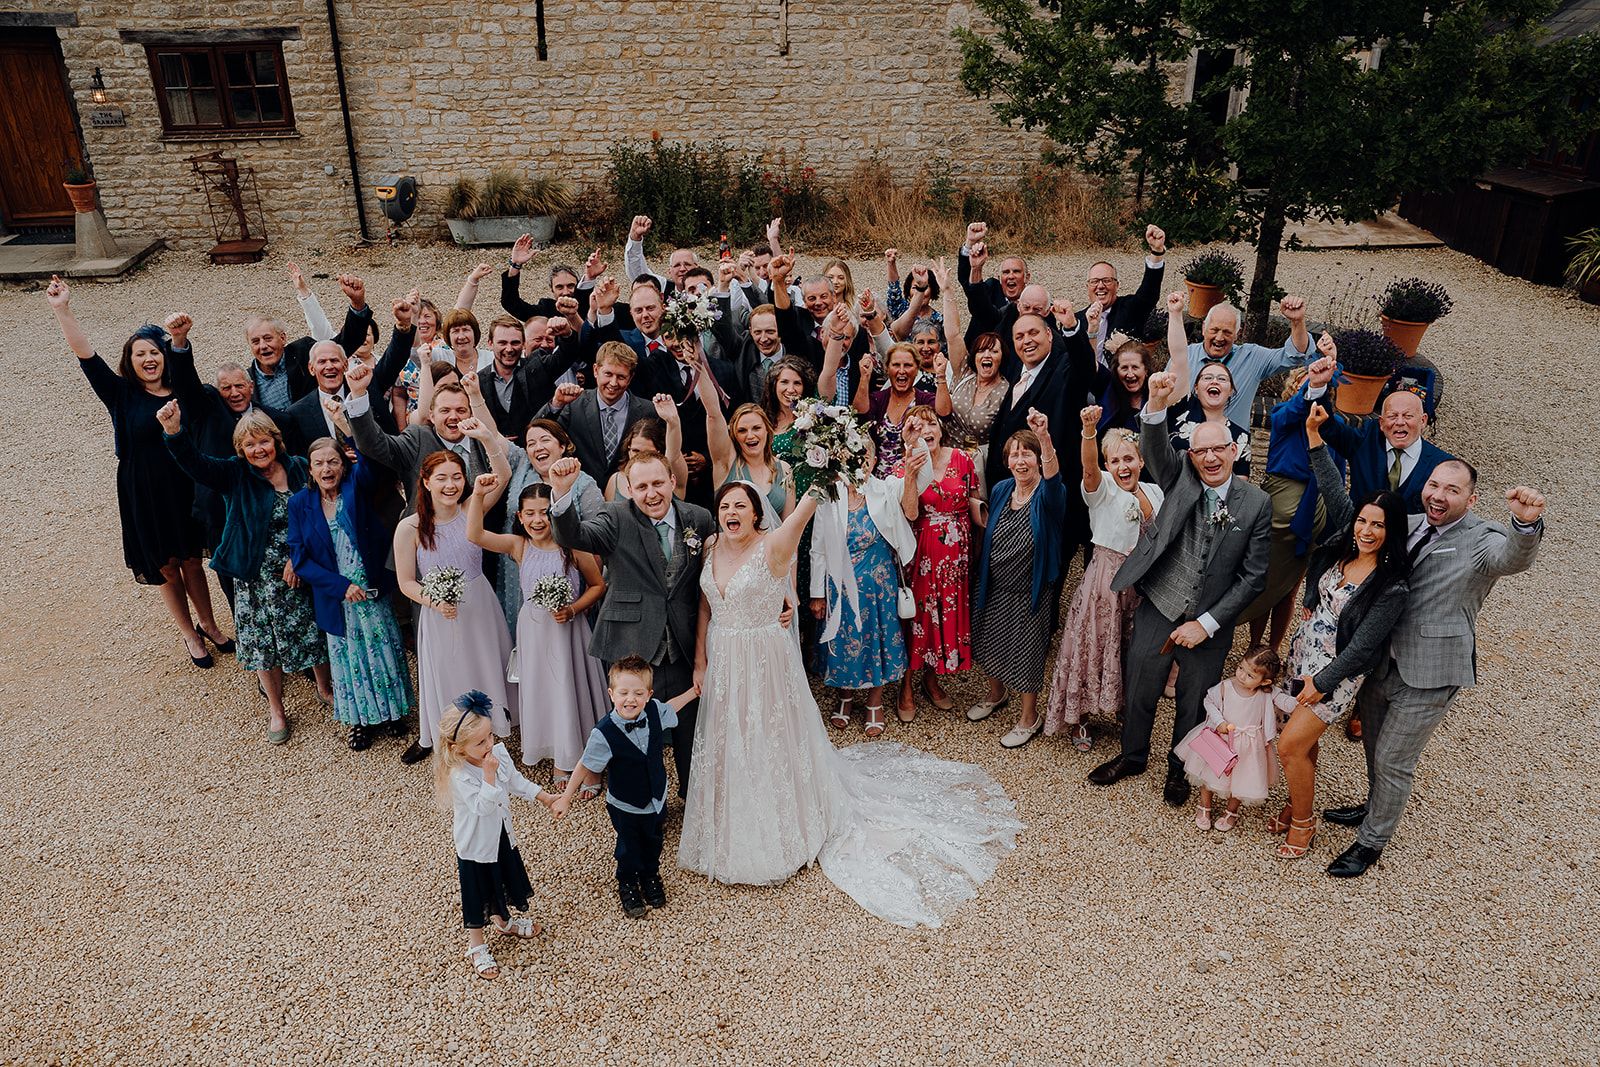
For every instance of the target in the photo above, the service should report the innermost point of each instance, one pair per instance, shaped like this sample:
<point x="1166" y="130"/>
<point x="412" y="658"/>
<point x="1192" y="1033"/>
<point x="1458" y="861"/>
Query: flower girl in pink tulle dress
<point x="1241" y="711"/>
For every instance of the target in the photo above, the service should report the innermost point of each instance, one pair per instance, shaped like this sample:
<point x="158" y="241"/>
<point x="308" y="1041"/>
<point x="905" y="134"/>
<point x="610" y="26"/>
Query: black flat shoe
<point x="1353" y="815"/>
<point x="416" y="753"/>
<point x="1354" y="861"/>
<point x="632" y="903"/>
<point x="360" y="738"/>
<point x="394" y="728"/>
<point x="654" y="893"/>
<point x="1114" y="771"/>
<point x="1176" y="791"/>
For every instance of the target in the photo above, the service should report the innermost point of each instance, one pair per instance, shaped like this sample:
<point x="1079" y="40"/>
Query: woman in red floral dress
<point x="941" y="633"/>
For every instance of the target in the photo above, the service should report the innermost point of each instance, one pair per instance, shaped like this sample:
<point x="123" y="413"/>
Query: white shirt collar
<point x="622" y="401"/>
<point x="1411" y="451"/>
<point x="1221" y="490"/>
<point x="670" y="518"/>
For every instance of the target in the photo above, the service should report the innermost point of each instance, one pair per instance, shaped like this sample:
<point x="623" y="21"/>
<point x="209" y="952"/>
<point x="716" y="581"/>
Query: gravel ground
<point x="181" y="892"/>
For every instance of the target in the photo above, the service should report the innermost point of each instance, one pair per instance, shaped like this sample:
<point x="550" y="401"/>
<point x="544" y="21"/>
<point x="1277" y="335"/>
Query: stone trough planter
<point x="502" y="230"/>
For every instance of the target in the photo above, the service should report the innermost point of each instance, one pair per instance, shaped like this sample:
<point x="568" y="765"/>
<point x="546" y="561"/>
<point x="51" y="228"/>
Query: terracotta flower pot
<point x="1358" y="394"/>
<point x="1202" y="298"/>
<point x="1406" y="335"/>
<point x="82" y="196"/>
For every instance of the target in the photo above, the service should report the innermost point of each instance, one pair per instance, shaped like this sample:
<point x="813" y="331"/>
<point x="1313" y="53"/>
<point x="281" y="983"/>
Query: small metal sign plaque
<point x="107" y="116"/>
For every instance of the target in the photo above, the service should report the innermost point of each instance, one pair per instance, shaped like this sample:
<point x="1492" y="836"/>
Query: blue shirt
<point x="597" y="753"/>
<point x="1248" y="364"/>
<point x="272" y="390"/>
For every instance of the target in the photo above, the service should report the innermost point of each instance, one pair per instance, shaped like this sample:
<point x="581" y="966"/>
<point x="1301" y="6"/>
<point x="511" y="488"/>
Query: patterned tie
<point x="611" y="429"/>
<point x="664" y="535"/>
<point x="1394" y="470"/>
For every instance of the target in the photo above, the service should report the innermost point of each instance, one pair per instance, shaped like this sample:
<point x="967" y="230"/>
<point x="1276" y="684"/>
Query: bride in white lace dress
<point x="908" y="836"/>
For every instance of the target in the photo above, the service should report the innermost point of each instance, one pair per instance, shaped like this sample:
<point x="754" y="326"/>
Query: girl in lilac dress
<point x="460" y="646"/>
<point x="561" y="689"/>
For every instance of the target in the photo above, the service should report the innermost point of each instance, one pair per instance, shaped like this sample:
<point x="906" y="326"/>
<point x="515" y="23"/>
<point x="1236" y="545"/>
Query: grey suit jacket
<point x="581" y="420"/>
<point x="404" y="452"/>
<point x="1237" y="570"/>
<point x="1435" y="643"/>
<point x="639" y="606"/>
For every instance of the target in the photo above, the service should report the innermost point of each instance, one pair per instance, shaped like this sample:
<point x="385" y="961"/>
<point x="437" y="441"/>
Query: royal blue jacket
<point x="1047" y="513"/>
<point x="311" y="545"/>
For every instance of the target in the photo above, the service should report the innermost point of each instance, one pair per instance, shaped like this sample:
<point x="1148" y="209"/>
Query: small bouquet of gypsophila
<point x="829" y="438"/>
<point x="445" y="585"/>
<point x="552" y="592"/>
<point x="688" y="315"/>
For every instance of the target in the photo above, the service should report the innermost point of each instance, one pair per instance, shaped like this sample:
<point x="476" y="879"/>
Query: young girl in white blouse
<point x="474" y="774"/>
<point x="1088" y="675"/>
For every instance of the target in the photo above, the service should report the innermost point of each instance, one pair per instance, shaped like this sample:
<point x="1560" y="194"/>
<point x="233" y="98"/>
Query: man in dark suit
<point x="1128" y="314"/>
<point x="1200" y="565"/>
<point x="987" y="298"/>
<point x="516" y="386"/>
<point x="598" y="419"/>
<point x="563" y="282"/>
<point x="1387" y="452"/>
<point x="802" y="329"/>
<point x="751" y="343"/>
<point x="633" y="261"/>
<point x="653" y="547"/>
<point x="656" y="370"/>
<point x="279" y="371"/>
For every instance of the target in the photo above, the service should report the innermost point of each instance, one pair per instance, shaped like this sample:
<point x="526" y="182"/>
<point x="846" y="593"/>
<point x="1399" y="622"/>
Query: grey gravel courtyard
<point x="177" y="891"/>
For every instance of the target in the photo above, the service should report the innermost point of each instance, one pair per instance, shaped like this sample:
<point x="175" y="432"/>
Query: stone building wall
<point x="440" y="88"/>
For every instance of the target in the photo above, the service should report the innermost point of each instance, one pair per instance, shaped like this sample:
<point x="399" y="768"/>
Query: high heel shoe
<point x="203" y="660"/>
<point x="1280" y="822"/>
<point x="1291" y="851"/>
<point x="225" y="646"/>
<point x="840" y="719"/>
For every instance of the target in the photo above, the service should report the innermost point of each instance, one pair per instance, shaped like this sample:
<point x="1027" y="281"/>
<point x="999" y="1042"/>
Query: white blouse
<point x="482" y="809"/>
<point x="1114" y="513"/>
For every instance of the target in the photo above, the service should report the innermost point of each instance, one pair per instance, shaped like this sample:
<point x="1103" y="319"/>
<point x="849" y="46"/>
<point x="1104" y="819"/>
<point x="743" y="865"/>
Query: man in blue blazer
<point x="1387" y="452"/>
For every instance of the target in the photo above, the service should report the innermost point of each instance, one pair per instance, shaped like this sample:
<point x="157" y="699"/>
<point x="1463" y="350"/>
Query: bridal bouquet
<point x="830" y="439"/>
<point x="552" y="592"/>
<point x="446" y="585"/>
<point x="688" y="315"/>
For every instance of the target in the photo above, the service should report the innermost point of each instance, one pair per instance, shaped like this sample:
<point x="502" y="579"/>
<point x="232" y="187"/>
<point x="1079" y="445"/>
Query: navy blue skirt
<point x="493" y="888"/>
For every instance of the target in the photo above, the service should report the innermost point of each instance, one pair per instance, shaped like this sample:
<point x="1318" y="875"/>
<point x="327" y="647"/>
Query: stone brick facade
<point x="439" y="88"/>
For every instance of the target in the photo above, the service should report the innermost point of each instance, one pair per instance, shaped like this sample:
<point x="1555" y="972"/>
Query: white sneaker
<point x="1021" y="735"/>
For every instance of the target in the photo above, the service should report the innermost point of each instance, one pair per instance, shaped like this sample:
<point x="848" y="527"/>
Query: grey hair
<point x="1226" y="307"/>
<point x="230" y="367"/>
<point x="266" y="320"/>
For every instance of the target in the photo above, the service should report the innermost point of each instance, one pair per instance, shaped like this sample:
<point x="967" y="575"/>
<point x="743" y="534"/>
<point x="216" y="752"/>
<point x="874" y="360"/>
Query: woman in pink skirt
<point x="1088" y="674"/>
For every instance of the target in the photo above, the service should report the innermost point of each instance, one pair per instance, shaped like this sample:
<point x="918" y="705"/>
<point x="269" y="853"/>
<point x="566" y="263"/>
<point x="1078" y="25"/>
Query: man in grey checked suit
<point x="1456" y="557"/>
<point x="653" y="546"/>
<point x="405" y="452"/>
<point x="598" y="419"/>
<point x="1200" y="565"/>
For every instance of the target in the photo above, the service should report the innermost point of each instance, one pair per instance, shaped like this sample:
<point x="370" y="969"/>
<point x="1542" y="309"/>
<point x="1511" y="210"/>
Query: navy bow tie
<point x="635" y="724"/>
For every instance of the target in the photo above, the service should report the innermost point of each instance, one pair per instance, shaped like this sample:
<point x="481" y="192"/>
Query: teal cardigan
<point x="247" y="500"/>
<point x="1047" y="514"/>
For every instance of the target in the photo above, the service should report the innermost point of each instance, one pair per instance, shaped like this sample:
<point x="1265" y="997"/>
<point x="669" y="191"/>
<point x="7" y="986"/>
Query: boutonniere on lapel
<point x="1133" y="513"/>
<point x="1221" y="517"/>
<point x="691" y="539"/>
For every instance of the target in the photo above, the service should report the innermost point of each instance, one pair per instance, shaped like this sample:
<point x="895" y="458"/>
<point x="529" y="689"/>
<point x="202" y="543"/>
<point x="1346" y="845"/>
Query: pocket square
<point x="1440" y="551"/>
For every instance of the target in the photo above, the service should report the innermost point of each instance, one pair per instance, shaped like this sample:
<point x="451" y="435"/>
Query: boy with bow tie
<point x="628" y="744"/>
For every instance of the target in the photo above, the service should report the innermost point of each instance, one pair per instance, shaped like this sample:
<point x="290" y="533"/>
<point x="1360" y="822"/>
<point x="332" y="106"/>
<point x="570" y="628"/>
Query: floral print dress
<point x="277" y="626"/>
<point x="941" y="632"/>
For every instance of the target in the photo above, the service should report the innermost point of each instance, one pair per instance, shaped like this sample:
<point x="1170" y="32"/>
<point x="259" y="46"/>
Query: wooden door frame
<point x="51" y="34"/>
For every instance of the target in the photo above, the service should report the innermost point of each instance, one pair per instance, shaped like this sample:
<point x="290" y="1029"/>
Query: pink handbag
<point x="1215" y="750"/>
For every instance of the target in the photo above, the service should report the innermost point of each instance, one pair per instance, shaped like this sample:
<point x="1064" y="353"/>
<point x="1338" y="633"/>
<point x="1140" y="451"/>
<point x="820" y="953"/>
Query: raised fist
<point x="1156" y="238"/>
<point x="640" y="226"/>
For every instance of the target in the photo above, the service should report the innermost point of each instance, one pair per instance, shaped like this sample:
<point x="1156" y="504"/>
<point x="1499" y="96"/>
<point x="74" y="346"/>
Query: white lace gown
<point x="908" y="836"/>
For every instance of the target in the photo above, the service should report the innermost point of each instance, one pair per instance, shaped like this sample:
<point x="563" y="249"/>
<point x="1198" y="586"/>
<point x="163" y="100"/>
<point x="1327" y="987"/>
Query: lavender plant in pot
<point x="1406" y="309"/>
<point x="1367" y="360"/>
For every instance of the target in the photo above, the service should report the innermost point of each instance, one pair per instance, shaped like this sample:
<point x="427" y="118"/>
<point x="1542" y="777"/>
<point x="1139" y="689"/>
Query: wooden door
<point x="38" y="131"/>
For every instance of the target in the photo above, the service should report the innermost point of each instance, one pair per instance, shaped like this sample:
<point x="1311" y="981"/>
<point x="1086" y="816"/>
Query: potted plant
<point x="1583" y="273"/>
<point x="504" y="206"/>
<point x="1406" y="309"/>
<point x="1211" y="278"/>
<point x="1367" y="360"/>
<point x="79" y="183"/>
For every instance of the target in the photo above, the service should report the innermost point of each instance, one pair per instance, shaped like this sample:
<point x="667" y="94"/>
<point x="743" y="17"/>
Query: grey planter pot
<point x="503" y="230"/>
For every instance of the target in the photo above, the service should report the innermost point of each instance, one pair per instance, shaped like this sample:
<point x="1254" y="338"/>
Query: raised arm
<point x="954" y="340"/>
<point x="633" y="260"/>
<point x="1177" y="344"/>
<point x="942" y="404"/>
<point x="778" y="272"/>
<point x="469" y="288"/>
<point x="486" y="489"/>
<point x="1049" y="462"/>
<point x="1330" y="484"/>
<point x="667" y="412"/>
<point x="1154" y="441"/>
<point x="1089" y="449"/>
<point x="783" y="542"/>
<point x="1299" y="344"/>
<point x="595" y="533"/>
<point x="317" y="324"/>
<point x="862" y="400"/>
<point x="209" y="471"/>
<point x="392" y="451"/>
<point x="59" y="294"/>
<point x="773" y="228"/>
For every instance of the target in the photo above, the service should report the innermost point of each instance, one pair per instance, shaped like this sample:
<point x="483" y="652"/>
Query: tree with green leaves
<point x="1346" y="104"/>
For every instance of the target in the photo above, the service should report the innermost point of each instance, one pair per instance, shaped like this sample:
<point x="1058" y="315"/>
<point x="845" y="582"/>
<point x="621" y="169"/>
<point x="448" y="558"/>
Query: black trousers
<point x="1199" y="669"/>
<point x="671" y="679"/>
<point x="639" y="840"/>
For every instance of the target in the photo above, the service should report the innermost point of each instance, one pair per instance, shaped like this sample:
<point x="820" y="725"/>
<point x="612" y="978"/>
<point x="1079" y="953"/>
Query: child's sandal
<point x="521" y="926"/>
<point x="1227" y="820"/>
<point x="483" y="962"/>
<point x="1202" y="816"/>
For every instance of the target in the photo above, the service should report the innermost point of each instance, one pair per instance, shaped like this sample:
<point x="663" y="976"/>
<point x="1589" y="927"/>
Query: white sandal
<point x="521" y="926"/>
<point x="483" y="962"/>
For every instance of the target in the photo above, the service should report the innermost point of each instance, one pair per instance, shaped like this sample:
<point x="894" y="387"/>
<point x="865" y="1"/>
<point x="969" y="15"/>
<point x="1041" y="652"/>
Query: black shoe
<point x="1354" y="815"/>
<point x="225" y="646"/>
<point x="1115" y="771"/>
<point x="1354" y="861"/>
<point x="360" y="738"/>
<point x="655" y="894"/>
<point x="1176" y="791"/>
<point x="416" y="753"/>
<point x="203" y="660"/>
<point x="632" y="905"/>
<point x="394" y="728"/>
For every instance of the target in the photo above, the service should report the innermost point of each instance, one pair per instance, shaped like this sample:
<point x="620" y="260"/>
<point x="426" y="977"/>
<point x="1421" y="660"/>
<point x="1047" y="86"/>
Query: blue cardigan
<point x="1047" y="513"/>
<point x="311" y="545"/>
<point x="247" y="500"/>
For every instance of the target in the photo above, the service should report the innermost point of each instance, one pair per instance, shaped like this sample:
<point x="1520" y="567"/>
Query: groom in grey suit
<point x="1200" y="565"/>
<point x="652" y="546"/>
<point x="1456" y="557"/>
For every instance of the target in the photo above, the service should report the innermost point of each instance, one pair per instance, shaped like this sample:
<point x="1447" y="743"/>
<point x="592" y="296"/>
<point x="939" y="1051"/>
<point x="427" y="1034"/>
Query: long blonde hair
<point x="848" y="297"/>
<point x="450" y="749"/>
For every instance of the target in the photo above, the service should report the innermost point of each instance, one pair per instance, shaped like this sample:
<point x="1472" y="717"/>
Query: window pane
<point x="180" y="107"/>
<point x="207" y="110"/>
<point x="235" y="68"/>
<point x="243" y="103"/>
<point x="199" y="68"/>
<point x="271" y="105"/>
<point x="266" y="64"/>
<point x="172" y="71"/>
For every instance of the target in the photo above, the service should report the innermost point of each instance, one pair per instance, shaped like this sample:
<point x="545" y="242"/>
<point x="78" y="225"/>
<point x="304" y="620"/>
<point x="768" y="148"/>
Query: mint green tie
<point x="664" y="534"/>
<point x="1211" y="503"/>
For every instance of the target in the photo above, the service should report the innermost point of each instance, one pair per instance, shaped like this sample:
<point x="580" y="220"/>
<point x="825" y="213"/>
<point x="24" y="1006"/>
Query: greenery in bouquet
<point x="688" y="315"/>
<point x="830" y="439"/>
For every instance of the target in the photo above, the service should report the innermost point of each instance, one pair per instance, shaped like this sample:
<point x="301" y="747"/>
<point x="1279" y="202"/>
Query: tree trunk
<point x="1269" y="241"/>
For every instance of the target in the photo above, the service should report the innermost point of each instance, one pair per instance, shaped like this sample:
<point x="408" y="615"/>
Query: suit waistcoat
<point x="1172" y="584"/>
<point x="633" y="777"/>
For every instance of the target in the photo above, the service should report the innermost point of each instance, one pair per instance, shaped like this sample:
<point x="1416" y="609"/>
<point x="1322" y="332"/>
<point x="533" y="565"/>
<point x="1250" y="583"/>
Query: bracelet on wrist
<point x="1089" y="435"/>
